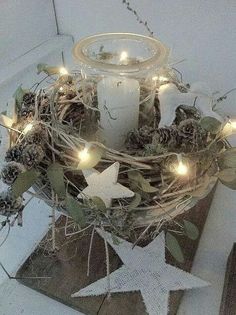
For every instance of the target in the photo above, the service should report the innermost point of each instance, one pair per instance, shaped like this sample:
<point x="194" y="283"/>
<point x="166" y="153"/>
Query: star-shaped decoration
<point x="104" y="185"/>
<point x="170" y="98"/>
<point x="144" y="270"/>
<point x="5" y="123"/>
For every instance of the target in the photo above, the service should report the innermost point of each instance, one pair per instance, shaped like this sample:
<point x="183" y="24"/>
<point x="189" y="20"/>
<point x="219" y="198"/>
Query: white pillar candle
<point x="118" y="102"/>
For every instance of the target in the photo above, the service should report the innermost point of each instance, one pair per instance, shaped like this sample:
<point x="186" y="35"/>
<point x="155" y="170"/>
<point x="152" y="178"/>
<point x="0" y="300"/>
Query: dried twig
<point x="138" y="18"/>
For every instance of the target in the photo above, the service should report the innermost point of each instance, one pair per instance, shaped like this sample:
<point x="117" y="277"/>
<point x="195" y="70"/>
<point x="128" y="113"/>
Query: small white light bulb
<point x="123" y="56"/>
<point x="27" y="128"/>
<point x="84" y="155"/>
<point x="61" y="89"/>
<point x="63" y="71"/>
<point x="181" y="168"/>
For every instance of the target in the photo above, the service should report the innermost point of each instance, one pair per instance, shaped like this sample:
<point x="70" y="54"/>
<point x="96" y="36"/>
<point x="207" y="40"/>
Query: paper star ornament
<point x="144" y="270"/>
<point x="170" y="98"/>
<point x="104" y="185"/>
<point x="5" y="123"/>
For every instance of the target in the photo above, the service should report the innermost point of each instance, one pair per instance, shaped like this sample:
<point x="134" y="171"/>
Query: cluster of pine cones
<point x="29" y="153"/>
<point x="185" y="137"/>
<point x="10" y="205"/>
<point x="28" y="105"/>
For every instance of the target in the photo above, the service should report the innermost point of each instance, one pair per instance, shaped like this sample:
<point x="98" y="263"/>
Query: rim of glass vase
<point x="157" y="60"/>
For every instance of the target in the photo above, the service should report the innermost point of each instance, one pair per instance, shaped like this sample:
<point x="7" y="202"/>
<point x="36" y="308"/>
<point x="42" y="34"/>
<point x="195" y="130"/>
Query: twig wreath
<point x="163" y="169"/>
<point x="53" y="145"/>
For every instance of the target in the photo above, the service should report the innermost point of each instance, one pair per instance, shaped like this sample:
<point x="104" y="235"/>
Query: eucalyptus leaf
<point x="49" y="70"/>
<point x="75" y="209"/>
<point x="146" y="187"/>
<point x="211" y="124"/>
<point x="231" y="185"/>
<point x="228" y="177"/>
<point x="24" y="181"/>
<point x="135" y="202"/>
<point x="134" y="175"/>
<point x="115" y="239"/>
<point x="227" y="159"/>
<point x="41" y="67"/>
<point x="18" y="95"/>
<point x="142" y="183"/>
<point x="99" y="203"/>
<point x="56" y="178"/>
<point x="174" y="248"/>
<point x="191" y="230"/>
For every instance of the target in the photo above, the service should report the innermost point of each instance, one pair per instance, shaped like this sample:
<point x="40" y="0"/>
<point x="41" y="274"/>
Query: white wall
<point x="23" y="25"/>
<point x="201" y="31"/>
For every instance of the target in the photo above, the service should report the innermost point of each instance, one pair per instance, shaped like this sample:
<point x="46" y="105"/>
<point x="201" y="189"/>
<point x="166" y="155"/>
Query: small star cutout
<point x="104" y="185"/>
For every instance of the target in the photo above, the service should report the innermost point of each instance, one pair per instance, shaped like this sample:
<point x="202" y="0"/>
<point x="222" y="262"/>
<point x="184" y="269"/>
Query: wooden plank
<point x="68" y="269"/>
<point x="228" y="301"/>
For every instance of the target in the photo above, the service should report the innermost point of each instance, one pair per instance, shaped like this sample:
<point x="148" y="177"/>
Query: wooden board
<point x="68" y="268"/>
<point x="228" y="301"/>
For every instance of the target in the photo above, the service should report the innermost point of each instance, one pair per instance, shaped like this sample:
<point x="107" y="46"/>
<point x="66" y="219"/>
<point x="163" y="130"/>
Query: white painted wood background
<point x="202" y="32"/>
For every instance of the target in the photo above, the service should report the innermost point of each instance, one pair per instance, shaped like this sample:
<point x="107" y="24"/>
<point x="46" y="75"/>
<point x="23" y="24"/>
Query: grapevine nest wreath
<point x="54" y="143"/>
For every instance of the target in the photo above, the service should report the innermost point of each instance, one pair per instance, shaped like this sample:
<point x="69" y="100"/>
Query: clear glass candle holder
<point x="121" y="68"/>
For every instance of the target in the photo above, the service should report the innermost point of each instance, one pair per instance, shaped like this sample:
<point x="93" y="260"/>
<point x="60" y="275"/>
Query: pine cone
<point x="28" y="105"/>
<point x="32" y="155"/>
<point x="26" y="112"/>
<point x="10" y="172"/>
<point x="138" y="138"/>
<point x="14" y="153"/>
<point x="38" y="135"/>
<point x="193" y="136"/>
<point x="184" y="112"/>
<point x="168" y="137"/>
<point x="188" y="128"/>
<point x="28" y="99"/>
<point x="8" y="204"/>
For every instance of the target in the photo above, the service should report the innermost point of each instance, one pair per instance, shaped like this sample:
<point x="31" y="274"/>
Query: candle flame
<point x="123" y="56"/>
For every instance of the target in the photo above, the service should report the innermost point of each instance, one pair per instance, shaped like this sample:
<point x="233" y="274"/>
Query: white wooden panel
<point x="23" y="25"/>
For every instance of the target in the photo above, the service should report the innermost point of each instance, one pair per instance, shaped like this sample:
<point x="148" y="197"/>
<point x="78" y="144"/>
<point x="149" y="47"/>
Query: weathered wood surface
<point x="68" y="269"/>
<point x="228" y="301"/>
